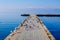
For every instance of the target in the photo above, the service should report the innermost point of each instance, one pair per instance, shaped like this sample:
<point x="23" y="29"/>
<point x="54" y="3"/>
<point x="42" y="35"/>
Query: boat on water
<point x="32" y="28"/>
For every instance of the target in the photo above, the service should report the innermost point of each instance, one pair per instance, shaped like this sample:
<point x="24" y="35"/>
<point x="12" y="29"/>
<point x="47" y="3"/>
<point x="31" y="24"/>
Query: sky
<point x="21" y="4"/>
<point x="13" y="5"/>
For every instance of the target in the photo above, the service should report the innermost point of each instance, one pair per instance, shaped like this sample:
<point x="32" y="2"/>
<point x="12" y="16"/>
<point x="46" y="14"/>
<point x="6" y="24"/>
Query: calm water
<point x="52" y="23"/>
<point x="10" y="20"/>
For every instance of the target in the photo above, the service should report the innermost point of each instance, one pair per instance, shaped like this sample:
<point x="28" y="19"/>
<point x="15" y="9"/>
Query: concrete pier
<point x="31" y="29"/>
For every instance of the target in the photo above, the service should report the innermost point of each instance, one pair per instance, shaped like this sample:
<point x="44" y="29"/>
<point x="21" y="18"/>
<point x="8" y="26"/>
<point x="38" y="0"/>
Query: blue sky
<point x="15" y="4"/>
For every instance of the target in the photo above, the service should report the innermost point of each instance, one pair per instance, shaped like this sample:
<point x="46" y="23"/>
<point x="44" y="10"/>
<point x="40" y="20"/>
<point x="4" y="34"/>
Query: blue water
<point x="11" y="19"/>
<point x="52" y="23"/>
